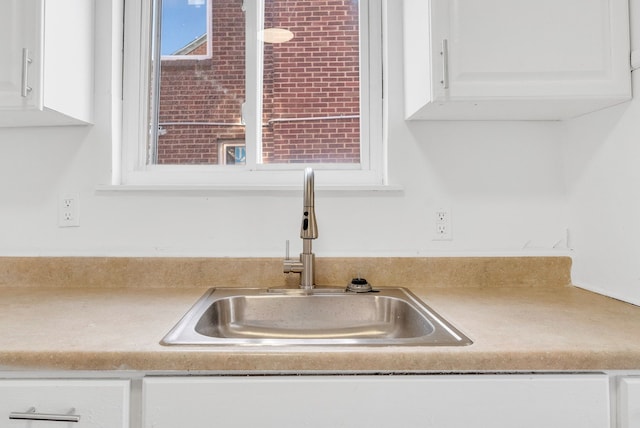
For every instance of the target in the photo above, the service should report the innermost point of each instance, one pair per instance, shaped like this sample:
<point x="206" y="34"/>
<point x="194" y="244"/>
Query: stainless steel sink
<point x="392" y="316"/>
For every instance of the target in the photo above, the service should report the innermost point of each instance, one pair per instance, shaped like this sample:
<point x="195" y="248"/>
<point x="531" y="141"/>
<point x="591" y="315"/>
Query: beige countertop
<point x="513" y="328"/>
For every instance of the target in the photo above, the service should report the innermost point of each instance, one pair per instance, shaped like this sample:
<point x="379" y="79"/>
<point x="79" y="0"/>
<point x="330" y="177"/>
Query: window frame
<point x="130" y="165"/>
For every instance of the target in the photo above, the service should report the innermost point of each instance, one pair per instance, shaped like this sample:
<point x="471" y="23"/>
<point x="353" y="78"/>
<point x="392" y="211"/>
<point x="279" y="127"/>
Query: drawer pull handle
<point x="31" y="415"/>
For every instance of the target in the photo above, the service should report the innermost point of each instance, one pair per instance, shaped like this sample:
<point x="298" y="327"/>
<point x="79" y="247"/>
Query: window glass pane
<point x="311" y="83"/>
<point x="183" y="22"/>
<point x="311" y="99"/>
<point x="200" y="100"/>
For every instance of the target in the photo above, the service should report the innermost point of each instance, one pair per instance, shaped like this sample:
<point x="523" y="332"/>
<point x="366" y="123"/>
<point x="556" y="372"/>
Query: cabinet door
<point x="46" y="83"/>
<point x="21" y="34"/>
<point x="99" y="403"/>
<point x="378" y="401"/>
<point x="519" y="59"/>
<point x="629" y="402"/>
<point x="499" y="48"/>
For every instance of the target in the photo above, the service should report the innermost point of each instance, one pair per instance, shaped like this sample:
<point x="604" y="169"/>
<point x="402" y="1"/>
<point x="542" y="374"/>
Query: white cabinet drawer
<point x="98" y="403"/>
<point x="451" y="401"/>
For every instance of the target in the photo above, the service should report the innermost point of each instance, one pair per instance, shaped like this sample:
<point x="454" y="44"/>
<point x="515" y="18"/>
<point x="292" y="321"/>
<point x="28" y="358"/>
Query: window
<point x="268" y="85"/>
<point x="232" y="153"/>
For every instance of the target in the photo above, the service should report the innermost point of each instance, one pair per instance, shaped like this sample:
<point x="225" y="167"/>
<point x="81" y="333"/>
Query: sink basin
<point x="233" y="316"/>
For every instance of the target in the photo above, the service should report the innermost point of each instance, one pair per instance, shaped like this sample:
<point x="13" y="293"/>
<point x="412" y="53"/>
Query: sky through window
<point x="183" y="21"/>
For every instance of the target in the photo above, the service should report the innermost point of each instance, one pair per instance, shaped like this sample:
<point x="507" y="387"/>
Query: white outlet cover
<point x="69" y="210"/>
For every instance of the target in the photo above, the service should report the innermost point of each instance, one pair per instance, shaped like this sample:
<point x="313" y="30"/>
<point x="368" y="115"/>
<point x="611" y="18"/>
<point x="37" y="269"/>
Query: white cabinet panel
<point x="455" y="401"/>
<point x="515" y="59"/>
<point x="19" y="33"/>
<point x="629" y="398"/>
<point x="55" y="86"/>
<point x="99" y="403"/>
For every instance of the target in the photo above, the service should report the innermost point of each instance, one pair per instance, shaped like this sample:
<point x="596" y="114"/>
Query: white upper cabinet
<point x="514" y="59"/>
<point x="46" y="72"/>
<point x="18" y="39"/>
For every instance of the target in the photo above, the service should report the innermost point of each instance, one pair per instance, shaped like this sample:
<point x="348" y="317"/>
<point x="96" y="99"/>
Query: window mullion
<point x="254" y="18"/>
<point x="154" y="107"/>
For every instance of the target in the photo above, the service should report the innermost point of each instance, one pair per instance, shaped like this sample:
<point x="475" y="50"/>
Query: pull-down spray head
<point x="309" y="229"/>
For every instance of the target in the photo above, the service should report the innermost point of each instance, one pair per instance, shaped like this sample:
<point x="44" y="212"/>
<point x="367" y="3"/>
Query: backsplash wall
<point x="185" y="272"/>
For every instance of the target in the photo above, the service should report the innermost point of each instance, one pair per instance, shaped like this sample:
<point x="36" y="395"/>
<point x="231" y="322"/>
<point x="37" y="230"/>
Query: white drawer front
<point x="99" y="403"/>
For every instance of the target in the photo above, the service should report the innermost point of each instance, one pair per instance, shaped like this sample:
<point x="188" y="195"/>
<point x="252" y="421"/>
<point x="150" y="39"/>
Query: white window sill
<point x="244" y="189"/>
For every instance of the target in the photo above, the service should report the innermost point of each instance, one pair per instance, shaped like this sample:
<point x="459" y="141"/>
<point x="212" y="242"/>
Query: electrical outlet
<point x="442" y="225"/>
<point x="69" y="210"/>
<point x="442" y="216"/>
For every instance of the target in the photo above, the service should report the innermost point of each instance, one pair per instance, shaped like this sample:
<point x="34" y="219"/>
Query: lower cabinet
<point x="629" y="402"/>
<point x="56" y="403"/>
<point x="447" y="401"/>
<point x="426" y="401"/>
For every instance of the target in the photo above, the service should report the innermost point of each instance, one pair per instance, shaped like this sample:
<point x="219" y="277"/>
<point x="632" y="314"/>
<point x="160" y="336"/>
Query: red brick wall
<point x="315" y="74"/>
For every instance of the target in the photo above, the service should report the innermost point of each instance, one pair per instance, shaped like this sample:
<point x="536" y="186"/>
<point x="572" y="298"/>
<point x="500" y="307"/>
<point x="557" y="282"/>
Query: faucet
<point x="305" y="266"/>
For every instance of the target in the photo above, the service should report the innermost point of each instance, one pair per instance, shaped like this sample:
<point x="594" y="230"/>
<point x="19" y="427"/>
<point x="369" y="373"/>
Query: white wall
<point x="503" y="181"/>
<point x="603" y="176"/>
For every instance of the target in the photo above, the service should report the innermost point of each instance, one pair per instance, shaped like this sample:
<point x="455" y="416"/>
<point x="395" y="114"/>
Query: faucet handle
<point x="291" y="265"/>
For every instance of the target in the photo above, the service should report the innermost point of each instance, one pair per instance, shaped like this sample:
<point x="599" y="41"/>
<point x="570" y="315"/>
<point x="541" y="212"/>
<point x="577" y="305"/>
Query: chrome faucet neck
<point x="305" y="266"/>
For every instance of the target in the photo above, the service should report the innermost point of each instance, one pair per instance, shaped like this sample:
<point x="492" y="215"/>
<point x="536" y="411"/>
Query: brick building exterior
<point x="315" y="75"/>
